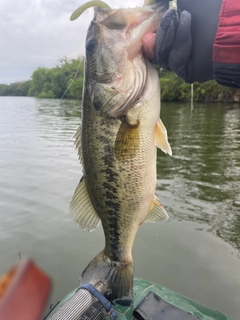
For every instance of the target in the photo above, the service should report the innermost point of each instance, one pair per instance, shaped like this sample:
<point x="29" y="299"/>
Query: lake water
<point x="196" y="252"/>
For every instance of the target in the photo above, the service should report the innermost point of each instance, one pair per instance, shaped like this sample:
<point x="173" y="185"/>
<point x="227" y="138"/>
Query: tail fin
<point x="113" y="279"/>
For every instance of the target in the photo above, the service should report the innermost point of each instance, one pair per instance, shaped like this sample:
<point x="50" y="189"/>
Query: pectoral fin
<point x="82" y="210"/>
<point x="156" y="212"/>
<point x="162" y="138"/>
<point x="127" y="141"/>
<point x="78" y="144"/>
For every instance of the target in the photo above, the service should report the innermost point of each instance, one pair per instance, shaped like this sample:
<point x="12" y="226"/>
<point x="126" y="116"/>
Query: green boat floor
<point x="141" y="289"/>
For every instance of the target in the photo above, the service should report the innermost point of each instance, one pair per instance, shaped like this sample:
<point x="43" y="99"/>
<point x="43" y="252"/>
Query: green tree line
<point x="66" y="78"/>
<point x="175" y="89"/>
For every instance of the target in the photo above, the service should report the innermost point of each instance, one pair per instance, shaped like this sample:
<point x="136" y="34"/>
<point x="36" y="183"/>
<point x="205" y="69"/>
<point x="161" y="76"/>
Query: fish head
<point x="115" y="66"/>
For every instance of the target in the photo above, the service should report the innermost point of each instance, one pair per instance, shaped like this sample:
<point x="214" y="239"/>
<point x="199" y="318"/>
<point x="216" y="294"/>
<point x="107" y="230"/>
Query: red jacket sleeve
<point x="226" y="48"/>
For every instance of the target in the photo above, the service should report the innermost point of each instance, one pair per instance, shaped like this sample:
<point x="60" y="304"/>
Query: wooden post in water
<point x="192" y="97"/>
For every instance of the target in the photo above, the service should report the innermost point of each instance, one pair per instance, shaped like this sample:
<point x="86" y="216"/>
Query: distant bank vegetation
<point x="54" y="82"/>
<point x="51" y="83"/>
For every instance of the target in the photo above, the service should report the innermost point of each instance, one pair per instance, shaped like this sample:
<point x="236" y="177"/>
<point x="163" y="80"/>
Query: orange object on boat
<point x="24" y="292"/>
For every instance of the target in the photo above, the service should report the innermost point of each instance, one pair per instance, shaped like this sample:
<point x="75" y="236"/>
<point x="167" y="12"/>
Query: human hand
<point x="184" y="40"/>
<point x="171" y="46"/>
<point x="149" y="45"/>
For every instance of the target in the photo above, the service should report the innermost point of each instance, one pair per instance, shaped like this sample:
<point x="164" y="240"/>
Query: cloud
<point x="36" y="33"/>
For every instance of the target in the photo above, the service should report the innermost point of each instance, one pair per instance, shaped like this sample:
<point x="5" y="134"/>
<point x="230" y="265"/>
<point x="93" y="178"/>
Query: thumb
<point x="149" y="45"/>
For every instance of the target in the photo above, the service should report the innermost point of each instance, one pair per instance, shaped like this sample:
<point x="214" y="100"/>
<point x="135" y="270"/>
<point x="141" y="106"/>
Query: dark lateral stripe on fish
<point x="112" y="202"/>
<point x="109" y="187"/>
<point x="103" y="139"/>
<point x="113" y="206"/>
<point x="111" y="176"/>
<point x="109" y="151"/>
<point x="108" y="159"/>
<point x="111" y="196"/>
<point x="113" y="220"/>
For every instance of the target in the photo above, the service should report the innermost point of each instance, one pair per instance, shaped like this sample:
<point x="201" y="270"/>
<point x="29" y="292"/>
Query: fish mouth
<point x="133" y="22"/>
<point x="145" y="20"/>
<point x="128" y="83"/>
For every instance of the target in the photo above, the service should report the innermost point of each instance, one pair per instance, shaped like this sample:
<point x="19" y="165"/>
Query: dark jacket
<point x="201" y="41"/>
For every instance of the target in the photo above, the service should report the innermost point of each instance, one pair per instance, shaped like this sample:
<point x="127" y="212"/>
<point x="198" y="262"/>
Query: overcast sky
<point x="36" y="33"/>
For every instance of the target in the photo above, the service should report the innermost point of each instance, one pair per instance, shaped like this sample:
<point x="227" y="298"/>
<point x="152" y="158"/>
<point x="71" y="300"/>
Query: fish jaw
<point x="134" y="24"/>
<point x="114" y="48"/>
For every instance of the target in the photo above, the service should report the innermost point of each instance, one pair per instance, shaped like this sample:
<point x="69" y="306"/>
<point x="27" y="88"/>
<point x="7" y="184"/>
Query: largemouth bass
<point x="117" y="143"/>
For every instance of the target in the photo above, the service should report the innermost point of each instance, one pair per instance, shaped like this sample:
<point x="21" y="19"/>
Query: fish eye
<point x="91" y="45"/>
<point x="114" y="21"/>
<point x="116" y="25"/>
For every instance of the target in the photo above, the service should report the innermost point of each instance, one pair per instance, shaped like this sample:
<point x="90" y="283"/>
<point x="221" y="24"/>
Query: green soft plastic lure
<point x="100" y="4"/>
<point x="95" y="3"/>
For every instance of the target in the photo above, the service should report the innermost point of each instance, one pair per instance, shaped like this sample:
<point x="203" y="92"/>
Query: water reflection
<point x="67" y="109"/>
<point x="203" y="175"/>
<point x="57" y="119"/>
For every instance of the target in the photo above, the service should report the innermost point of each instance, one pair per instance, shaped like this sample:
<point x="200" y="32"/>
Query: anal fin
<point x="82" y="210"/>
<point x="156" y="212"/>
<point x="127" y="140"/>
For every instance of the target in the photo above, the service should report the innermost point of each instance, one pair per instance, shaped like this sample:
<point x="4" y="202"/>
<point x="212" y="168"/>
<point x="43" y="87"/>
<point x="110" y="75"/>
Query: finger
<point x="149" y="45"/>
